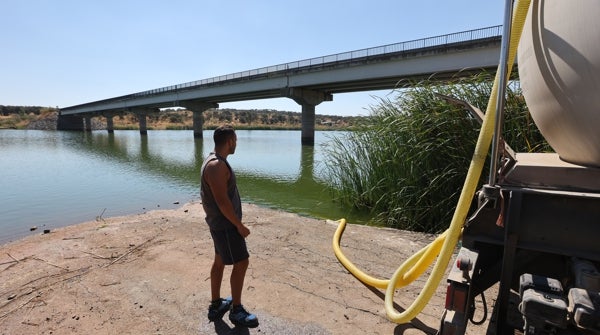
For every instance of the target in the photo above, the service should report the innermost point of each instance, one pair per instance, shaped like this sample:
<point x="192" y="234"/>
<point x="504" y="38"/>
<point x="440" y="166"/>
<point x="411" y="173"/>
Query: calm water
<point x="52" y="179"/>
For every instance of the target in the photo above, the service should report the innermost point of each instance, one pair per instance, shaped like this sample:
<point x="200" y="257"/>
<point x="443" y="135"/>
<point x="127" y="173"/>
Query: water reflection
<point x="62" y="178"/>
<point x="174" y="156"/>
<point x="166" y="158"/>
<point x="198" y="152"/>
<point x="273" y="169"/>
<point x="307" y="163"/>
<point x="146" y="156"/>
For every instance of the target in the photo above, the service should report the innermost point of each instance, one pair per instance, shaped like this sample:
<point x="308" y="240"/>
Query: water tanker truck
<point x="535" y="235"/>
<point x="533" y="243"/>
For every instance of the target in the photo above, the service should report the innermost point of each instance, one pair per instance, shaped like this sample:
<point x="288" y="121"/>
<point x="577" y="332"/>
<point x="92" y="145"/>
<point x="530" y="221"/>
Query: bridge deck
<point x="384" y="67"/>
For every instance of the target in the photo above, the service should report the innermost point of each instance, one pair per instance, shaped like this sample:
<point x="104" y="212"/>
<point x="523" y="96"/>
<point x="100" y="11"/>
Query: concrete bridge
<point x="309" y="82"/>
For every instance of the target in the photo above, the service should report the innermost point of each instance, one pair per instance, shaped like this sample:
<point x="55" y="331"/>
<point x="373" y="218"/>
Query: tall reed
<point x="406" y="163"/>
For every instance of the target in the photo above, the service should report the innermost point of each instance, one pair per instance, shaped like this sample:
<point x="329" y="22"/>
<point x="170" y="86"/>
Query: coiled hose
<point x="443" y="246"/>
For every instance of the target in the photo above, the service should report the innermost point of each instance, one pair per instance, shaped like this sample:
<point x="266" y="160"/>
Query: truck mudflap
<point x="459" y="305"/>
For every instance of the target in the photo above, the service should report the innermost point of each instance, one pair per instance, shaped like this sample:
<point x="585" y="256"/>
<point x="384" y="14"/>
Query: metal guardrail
<point x="464" y="36"/>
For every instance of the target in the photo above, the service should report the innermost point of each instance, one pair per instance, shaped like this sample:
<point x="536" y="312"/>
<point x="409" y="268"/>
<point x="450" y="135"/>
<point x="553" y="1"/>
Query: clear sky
<point x="67" y="52"/>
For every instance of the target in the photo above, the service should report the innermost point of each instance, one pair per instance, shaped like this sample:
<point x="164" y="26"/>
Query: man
<point x="223" y="208"/>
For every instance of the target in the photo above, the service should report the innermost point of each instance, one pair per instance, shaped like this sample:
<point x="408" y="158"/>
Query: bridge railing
<point x="464" y="36"/>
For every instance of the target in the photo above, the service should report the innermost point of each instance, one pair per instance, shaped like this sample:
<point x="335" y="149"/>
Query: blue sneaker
<point x="241" y="318"/>
<point x="218" y="308"/>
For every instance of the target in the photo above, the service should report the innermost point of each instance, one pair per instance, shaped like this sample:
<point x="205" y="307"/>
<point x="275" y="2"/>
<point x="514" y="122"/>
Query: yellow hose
<point x="417" y="262"/>
<point x="445" y="243"/>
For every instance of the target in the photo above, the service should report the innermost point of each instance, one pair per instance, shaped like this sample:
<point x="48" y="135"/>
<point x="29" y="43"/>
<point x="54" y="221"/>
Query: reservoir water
<point x="51" y="179"/>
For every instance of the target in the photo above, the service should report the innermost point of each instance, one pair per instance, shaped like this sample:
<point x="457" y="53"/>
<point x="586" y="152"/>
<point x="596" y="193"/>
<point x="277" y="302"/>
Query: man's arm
<point x="216" y="175"/>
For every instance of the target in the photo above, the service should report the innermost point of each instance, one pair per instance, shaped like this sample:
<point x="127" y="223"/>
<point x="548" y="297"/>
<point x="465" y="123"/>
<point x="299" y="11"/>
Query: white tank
<point x="559" y="69"/>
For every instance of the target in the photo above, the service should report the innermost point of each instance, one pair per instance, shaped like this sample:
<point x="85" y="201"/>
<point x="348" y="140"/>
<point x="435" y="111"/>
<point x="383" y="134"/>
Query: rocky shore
<point x="49" y="122"/>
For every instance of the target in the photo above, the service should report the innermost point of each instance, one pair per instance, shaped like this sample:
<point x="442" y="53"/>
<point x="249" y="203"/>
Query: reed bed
<point x="406" y="163"/>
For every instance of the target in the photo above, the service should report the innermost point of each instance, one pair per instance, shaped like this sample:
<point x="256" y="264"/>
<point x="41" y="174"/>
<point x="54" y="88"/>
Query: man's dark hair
<point x="222" y="134"/>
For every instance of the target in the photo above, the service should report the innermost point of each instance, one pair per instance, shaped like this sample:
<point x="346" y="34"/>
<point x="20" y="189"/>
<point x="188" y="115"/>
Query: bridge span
<point x="309" y="82"/>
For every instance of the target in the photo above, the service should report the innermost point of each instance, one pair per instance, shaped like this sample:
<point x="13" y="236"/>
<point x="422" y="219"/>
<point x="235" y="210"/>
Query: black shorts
<point x="230" y="245"/>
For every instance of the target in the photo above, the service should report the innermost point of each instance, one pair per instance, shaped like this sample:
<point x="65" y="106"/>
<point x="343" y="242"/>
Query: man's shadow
<point x="222" y="328"/>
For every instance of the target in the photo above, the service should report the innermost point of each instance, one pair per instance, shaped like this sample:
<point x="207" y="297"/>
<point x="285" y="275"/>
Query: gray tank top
<point x="215" y="219"/>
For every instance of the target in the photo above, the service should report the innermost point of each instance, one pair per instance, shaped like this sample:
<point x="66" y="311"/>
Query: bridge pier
<point x="308" y="99"/>
<point x="197" y="108"/>
<point x="142" y="114"/>
<point x="307" y="136"/>
<point x="87" y="120"/>
<point x="142" y="120"/>
<point x="110" y="126"/>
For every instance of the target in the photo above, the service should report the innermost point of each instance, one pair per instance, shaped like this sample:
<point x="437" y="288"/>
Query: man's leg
<point x="237" y="281"/>
<point x="238" y="315"/>
<point x="216" y="276"/>
<point x="218" y="306"/>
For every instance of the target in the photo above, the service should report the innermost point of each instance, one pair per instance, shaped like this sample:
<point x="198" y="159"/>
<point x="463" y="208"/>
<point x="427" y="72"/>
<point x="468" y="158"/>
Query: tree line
<point x="23" y="110"/>
<point x="21" y="117"/>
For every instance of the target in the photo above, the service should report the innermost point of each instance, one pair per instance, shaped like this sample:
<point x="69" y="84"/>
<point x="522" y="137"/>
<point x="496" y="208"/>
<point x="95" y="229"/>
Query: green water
<point x="52" y="179"/>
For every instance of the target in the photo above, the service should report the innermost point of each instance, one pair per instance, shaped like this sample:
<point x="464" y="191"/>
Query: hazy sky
<point x="67" y="52"/>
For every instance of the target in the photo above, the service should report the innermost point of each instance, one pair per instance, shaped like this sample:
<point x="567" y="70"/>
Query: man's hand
<point x="243" y="230"/>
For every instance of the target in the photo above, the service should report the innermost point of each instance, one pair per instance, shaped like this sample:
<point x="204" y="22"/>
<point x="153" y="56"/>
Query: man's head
<point x="225" y="137"/>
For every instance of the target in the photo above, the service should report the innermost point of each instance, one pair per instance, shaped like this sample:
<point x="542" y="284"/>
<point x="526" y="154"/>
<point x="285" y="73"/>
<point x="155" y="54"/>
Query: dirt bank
<point x="148" y="274"/>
